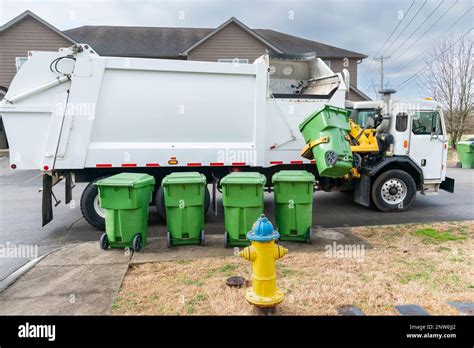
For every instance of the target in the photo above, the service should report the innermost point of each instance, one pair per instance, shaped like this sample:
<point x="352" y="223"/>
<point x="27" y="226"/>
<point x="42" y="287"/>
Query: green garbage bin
<point x="125" y="198"/>
<point x="326" y="132"/>
<point x="293" y="191"/>
<point x="184" y="201"/>
<point x="242" y="197"/>
<point x="466" y="153"/>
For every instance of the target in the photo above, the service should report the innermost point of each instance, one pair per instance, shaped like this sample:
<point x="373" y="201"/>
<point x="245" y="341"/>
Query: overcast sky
<point x="362" y="26"/>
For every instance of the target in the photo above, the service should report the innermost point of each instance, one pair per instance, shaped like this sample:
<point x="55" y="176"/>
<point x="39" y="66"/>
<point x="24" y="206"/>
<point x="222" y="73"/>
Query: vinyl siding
<point x="26" y="35"/>
<point x="337" y="64"/>
<point x="230" y="42"/>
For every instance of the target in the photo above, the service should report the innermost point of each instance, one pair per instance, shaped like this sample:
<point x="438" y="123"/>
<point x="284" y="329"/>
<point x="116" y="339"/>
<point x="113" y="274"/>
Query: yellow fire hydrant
<point x="263" y="252"/>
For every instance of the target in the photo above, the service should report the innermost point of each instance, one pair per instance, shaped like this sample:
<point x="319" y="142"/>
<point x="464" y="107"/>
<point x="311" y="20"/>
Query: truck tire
<point x="160" y="202"/>
<point x="90" y="207"/>
<point x="393" y="191"/>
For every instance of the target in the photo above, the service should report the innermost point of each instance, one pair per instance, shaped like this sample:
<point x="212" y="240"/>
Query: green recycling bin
<point x="326" y="132"/>
<point x="293" y="192"/>
<point x="466" y="153"/>
<point x="184" y="201"/>
<point x="125" y="198"/>
<point x="242" y="197"/>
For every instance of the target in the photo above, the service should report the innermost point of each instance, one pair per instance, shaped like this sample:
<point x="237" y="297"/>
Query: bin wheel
<point x="203" y="238"/>
<point x="104" y="241"/>
<point x="137" y="243"/>
<point x="226" y="239"/>
<point x="168" y="239"/>
<point x="309" y="239"/>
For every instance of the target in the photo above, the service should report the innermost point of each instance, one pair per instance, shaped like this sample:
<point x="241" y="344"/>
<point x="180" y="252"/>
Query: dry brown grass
<point x="403" y="267"/>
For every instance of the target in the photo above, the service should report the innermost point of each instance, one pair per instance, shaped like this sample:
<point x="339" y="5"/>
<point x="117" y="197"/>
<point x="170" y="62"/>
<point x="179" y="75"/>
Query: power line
<point x="404" y="83"/>
<point x="391" y="34"/>
<point x="406" y="26"/>
<point x="422" y="35"/>
<point x="422" y="23"/>
<point x="403" y="30"/>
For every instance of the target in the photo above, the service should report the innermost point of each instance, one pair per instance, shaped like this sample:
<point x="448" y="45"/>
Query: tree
<point x="448" y="78"/>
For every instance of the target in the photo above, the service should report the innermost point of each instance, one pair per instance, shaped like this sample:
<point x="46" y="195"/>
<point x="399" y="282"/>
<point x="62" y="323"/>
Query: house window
<point x="328" y="63"/>
<point x="233" y="60"/>
<point x="19" y="61"/>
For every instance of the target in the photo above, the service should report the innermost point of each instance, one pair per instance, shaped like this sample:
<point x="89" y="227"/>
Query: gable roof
<point x="162" y="42"/>
<point x="359" y="92"/>
<point x="294" y="44"/>
<point x="37" y="18"/>
<point x="241" y="25"/>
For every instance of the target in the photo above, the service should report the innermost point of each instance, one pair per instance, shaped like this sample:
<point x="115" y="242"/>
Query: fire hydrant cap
<point x="262" y="230"/>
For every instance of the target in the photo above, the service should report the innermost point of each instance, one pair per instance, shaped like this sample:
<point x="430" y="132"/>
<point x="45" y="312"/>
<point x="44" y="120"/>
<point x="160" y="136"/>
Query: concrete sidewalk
<point x="81" y="279"/>
<point x="77" y="279"/>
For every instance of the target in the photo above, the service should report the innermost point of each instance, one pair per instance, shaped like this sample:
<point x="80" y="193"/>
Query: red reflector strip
<point x="197" y="164"/>
<point x="238" y="163"/>
<point x="296" y="162"/>
<point x="152" y="164"/>
<point x="217" y="164"/>
<point x="313" y="161"/>
<point x="103" y="165"/>
<point x="129" y="164"/>
<point x="276" y="162"/>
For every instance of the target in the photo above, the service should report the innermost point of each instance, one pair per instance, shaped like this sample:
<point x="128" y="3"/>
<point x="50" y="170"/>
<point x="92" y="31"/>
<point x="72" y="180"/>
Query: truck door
<point x="427" y="140"/>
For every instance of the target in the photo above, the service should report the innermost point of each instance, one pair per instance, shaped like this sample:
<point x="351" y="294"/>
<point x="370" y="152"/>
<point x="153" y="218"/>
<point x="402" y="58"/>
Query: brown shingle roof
<point x="168" y="42"/>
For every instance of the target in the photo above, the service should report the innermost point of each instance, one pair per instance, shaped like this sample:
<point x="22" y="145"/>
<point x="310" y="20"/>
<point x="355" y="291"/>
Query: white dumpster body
<point x="85" y="111"/>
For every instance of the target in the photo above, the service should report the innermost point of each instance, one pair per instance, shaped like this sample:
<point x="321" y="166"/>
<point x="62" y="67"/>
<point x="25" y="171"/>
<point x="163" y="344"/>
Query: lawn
<point x="427" y="265"/>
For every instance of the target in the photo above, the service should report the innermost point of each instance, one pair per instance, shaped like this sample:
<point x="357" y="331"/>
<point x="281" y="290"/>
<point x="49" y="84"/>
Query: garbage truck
<point x="76" y="116"/>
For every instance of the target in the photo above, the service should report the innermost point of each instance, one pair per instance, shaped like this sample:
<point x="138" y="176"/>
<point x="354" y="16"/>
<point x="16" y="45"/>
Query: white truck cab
<point x="417" y="136"/>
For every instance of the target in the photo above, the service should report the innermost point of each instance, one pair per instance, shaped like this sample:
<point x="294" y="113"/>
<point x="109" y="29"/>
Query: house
<point x="231" y="40"/>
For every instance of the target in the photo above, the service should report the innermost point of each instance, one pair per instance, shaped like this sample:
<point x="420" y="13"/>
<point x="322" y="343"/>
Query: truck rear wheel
<point x="160" y="202"/>
<point x="394" y="190"/>
<point x="90" y="207"/>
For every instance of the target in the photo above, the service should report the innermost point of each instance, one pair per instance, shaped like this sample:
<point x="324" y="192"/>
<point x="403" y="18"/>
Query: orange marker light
<point x="405" y="144"/>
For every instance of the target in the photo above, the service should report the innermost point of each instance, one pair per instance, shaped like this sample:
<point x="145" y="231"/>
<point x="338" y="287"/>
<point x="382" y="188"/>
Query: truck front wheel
<point x="90" y="207"/>
<point x="393" y="190"/>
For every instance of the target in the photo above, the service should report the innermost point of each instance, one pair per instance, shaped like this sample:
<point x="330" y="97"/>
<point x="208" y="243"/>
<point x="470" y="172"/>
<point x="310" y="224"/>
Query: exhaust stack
<point x="387" y="106"/>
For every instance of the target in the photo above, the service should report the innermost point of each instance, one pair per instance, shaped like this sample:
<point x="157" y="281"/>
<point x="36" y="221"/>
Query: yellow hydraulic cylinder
<point x="263" y="252"/>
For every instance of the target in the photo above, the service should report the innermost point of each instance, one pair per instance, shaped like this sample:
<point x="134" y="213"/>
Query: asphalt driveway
<point x="20" y="213"/>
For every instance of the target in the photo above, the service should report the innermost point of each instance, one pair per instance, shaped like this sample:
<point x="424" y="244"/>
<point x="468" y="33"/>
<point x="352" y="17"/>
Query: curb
<point x="13" y="277"/>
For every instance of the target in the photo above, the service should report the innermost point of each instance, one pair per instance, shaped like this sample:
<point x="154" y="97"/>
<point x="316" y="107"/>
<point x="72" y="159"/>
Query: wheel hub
<point x="97" y="207"/>
<point x="394" y="191"/>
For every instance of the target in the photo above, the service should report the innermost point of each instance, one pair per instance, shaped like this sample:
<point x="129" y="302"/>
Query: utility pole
<point x="381" y="59"/>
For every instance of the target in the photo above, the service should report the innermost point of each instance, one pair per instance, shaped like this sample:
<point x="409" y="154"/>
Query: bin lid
<point x="345" y="112"/>
<point x="466" y="142"/>
<point x="184" y="178"/>
<point x="135" y="180"/>
<point x="293" y="176"/>
<point x="249" y="178"/>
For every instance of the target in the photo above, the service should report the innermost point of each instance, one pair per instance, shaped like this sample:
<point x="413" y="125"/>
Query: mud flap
<point x="362" y="191"/>
<point x="447" y="185"/>
<point x="69" y="185"/>
<point x="47" y="201"/>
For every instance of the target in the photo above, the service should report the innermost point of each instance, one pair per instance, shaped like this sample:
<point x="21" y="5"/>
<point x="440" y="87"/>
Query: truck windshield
<point x="364" y="115"/>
